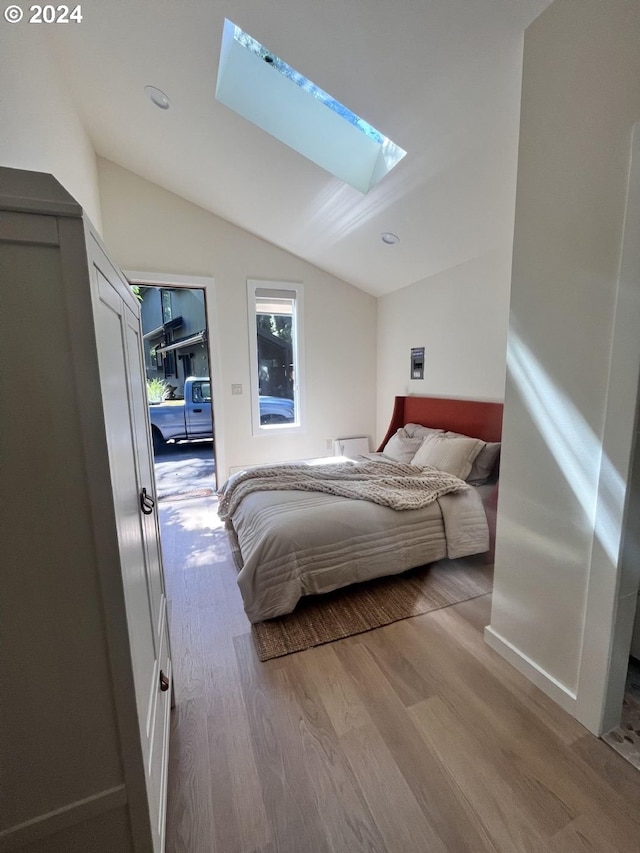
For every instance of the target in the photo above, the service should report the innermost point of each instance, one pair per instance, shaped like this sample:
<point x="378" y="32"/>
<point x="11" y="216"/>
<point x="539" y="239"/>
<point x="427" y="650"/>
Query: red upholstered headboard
<point x="470" y="417"/>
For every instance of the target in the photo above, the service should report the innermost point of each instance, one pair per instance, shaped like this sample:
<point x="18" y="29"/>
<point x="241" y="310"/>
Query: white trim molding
<point x="293" y="291"/>
<point x="530" y="669"/>
<point x="161" y="279"/>
<point x="613" y="582"/>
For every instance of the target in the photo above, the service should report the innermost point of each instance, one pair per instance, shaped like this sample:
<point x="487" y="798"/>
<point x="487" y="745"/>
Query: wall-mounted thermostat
<point x="417" y="362"/>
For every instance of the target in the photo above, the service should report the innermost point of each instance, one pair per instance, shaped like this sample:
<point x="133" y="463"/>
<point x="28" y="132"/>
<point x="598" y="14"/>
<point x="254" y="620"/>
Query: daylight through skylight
<point x="268" y="92"/>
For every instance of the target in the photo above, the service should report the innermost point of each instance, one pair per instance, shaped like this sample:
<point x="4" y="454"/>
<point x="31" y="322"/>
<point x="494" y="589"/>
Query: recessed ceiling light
<point x="389" y="238"/>
<point x="157" y="97"/>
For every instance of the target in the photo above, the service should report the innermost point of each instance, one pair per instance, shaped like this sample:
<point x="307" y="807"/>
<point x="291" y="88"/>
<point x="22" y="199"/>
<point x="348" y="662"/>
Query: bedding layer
<point x="398" y="486"/>
<point x="296" y="543"/>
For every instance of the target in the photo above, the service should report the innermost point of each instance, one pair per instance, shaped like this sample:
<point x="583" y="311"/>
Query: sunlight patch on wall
<point x="268" y="92"/>
<point x="575" y="447"/>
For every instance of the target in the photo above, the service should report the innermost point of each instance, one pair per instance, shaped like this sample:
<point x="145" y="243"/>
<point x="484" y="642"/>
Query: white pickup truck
<point x="192" y="418"/>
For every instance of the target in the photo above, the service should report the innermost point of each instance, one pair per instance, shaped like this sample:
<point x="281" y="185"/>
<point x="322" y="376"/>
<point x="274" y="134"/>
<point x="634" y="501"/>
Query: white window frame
<point x="295" y="290"/>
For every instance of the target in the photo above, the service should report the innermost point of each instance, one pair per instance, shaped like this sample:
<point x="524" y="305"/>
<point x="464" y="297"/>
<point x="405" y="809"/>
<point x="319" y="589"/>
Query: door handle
<point x="164" y="682"/>
<point x="146" y="502"/>
<point x="197" y="410"/>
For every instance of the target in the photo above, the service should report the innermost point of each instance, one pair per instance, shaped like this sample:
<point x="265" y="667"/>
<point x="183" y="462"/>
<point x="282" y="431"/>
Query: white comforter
<point x="294" y="543"/>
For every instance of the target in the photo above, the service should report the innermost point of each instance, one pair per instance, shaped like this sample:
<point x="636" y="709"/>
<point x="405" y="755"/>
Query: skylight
<point x="268" y="92"/>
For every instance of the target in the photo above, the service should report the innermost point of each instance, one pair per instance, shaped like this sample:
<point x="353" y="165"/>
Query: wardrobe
<point x="86" y="681"/>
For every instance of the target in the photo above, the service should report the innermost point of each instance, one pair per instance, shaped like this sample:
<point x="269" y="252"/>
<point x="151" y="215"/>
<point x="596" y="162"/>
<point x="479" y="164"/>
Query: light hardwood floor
<point x="414" y="738"/>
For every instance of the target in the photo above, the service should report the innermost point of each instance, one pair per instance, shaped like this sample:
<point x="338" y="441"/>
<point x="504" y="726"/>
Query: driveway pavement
<point x="185" y="470"/>
<point x="192" y="535"/>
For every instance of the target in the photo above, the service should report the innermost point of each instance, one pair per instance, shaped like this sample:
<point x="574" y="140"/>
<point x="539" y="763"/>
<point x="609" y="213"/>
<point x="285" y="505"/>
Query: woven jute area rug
<point x="352" y="610"/>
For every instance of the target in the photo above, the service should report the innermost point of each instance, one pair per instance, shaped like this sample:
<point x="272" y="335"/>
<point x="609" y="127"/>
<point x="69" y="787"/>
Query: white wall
<point x="580" y="99"/>
<point x="147" y="228"/>
<point x="39" y="127"/>
<point x="460" y="318"/>
<point x="460" y="313"/>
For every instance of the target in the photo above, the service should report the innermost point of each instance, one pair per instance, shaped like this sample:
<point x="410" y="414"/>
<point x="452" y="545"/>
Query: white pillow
<point x="400" y="447"/>
<point x="484" y="463"/>
<point x="454" y="455"/>
<point x="417" y="430"/>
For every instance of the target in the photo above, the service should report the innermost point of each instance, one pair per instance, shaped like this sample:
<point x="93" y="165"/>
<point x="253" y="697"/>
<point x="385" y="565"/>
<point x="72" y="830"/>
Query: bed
<point x="299" y="531"/>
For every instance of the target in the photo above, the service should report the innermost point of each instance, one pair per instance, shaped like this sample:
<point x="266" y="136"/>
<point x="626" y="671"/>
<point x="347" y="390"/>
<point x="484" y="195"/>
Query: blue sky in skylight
<point x="300" y="80"/>
<point x="268" y="92"/>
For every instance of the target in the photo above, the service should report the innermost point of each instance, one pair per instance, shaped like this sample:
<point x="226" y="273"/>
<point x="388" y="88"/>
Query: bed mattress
<point x="296" y="543"/>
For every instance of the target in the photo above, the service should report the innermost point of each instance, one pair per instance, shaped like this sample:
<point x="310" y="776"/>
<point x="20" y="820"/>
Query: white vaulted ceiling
<point x="440" y="77"/>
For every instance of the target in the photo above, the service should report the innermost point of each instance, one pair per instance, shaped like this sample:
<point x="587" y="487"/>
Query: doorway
<point x="176" y="317"/>
<point x="182" y="369"/>
<point x="615" y="565"/>
<point x="624" y="677"/>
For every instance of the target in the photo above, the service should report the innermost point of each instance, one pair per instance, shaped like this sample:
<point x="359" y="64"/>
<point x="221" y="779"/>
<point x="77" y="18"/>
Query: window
<point x="169" y="364"/>
<point x="187" y="364"/>
<point x="201" y="392"/>
<point x="167" y="313"/>
<point x="275" y="333"/>
<point x="265" y="90"/>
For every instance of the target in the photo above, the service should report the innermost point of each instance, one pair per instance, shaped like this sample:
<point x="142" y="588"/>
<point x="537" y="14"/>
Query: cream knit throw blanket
<point x="397" y="486"/>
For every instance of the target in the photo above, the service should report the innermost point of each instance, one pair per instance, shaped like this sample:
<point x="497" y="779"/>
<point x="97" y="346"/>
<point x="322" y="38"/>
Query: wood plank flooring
<point x="414" y="738"/>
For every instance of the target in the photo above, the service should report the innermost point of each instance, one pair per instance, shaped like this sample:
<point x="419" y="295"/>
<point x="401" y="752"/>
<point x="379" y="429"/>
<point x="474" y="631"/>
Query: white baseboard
<point x="547" y="683"/>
